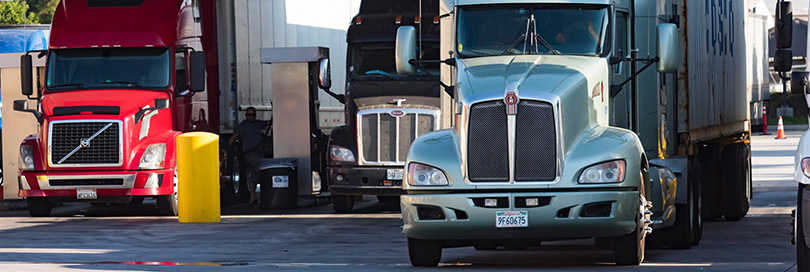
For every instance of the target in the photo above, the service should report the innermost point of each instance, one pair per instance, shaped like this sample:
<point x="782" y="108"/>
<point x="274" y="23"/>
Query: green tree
<point x="43" y="9"/>
<point x="16" y="12"/>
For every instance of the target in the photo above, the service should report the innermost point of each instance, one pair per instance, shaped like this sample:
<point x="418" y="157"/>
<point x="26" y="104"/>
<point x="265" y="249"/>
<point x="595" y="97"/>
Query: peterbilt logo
<point x="511" y="101"/>
<point x="397" y="113"/>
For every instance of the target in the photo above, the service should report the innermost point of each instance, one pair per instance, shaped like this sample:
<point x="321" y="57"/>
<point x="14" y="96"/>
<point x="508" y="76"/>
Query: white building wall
<point x="287" y="23"/>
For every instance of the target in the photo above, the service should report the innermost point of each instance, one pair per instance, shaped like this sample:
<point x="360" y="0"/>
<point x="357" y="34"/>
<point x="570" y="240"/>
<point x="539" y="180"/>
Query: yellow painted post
<point x="198" y="178"/>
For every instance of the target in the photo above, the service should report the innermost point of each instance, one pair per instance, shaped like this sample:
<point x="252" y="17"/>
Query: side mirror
<point x="161" y="103"/>
<point x="668" y="48"/>
<point x="26" y="75"/>
<point x="405" y="50"/>
<point x="783" y="28"/>
<point x="783" y="60"/>
<point x="325" y="76"/>
<point x="197" y="71"/>
<point x="20" y="105"/>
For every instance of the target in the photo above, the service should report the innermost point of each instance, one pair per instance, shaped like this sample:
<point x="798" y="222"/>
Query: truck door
<point x="620" y="98"/>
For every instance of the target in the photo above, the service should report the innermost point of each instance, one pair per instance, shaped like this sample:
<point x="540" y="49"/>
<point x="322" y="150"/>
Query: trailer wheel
<point x="342" y="203"/>
<point x="698" y="213"/>
<point x="424" y="253"/>
<point x="629" y="249"/>
<point x="802" y="250"/>
<point x="711" y="207"/>
<point x="736" y="196"/>
<point x="39" y="207"/>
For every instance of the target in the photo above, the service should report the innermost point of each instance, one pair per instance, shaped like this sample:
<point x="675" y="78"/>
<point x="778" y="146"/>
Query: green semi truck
<point x="556" y="126"/>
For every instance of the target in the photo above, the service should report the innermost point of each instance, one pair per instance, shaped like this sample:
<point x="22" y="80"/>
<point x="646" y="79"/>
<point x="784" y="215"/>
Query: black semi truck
<point x="385" y="111"/>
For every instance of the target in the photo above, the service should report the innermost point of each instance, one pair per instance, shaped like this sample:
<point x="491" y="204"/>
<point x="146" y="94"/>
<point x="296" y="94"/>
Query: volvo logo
<point x="397" y="113"/>
<point x="84" y="142"/>
<point x="511" y="101"/>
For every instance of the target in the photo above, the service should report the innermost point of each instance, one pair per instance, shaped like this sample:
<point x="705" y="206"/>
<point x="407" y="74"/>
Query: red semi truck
<point x="117" y="90"/>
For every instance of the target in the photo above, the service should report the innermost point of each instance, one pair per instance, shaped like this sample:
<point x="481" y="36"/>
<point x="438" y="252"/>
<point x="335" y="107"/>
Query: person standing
<point x="249" y="132"/>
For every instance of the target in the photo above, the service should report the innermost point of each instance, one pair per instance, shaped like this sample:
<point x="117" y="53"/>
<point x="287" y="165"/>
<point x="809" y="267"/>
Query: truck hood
<point x="128" y="101"/>
<point x="529" y="74"/>
<point x="572" y="82"/>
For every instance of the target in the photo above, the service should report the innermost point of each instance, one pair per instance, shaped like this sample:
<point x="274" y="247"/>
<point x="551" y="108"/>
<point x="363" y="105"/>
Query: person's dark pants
<point x="249" y="164"/>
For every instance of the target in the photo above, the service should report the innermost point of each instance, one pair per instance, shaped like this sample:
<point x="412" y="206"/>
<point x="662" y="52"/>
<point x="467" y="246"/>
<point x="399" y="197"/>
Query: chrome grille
<point x="385" y="139"/>
<point x="488" y="153"/>
<point x="535" y="142"/>
<point x="103" y="150"/>
<point x="487" y="144"/>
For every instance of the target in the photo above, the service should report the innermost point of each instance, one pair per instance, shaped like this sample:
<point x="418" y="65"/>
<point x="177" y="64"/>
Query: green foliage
<point x="16" y="12"/>
<point x="43" y="9"/>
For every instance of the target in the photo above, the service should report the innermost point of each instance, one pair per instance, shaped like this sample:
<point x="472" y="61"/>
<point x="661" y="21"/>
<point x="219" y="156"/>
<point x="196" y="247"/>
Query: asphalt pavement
<point x="128" y="238"/>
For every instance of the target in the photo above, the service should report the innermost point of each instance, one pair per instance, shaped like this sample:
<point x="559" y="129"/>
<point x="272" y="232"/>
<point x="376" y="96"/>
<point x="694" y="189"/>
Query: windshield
<point x="376" y="61"/>
<point x="509" y="30"/>
<point x="106" y="68"/>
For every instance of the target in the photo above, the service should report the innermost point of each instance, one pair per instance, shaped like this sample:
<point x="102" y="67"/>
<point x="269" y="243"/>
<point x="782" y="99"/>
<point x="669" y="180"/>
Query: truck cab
<point x="385" y="110"/>
<point x="531" y="155"/>
<point x="115" y="95"/>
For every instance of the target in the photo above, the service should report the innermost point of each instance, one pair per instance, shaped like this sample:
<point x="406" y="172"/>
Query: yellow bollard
<point x="198" y="178"/>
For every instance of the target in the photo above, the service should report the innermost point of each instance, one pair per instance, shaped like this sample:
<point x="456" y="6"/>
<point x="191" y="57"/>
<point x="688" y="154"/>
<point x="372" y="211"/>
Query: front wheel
<point x="39" y="207"/>
<point x="424" y="253"/>
<point x="629" y="249"/>
<point x="168" y="204"/>
<point x="342" y="203"/>
<point x="802" y="250"/>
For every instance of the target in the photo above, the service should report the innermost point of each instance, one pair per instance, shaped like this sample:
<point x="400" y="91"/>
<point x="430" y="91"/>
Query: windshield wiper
<point x="57" y="86"/>
<point x="121" y="82"/>
<point x="531" y="39"/>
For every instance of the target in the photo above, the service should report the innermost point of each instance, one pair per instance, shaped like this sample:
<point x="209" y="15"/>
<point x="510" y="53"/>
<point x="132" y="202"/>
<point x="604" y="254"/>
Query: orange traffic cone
<point x="780" y="129"/>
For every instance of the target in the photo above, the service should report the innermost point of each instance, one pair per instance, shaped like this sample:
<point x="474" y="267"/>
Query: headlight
<point x="27" y="157"/>
<point x="423" y="175"/>
<point x="153" y="157"/>
<point x="342" y="154"/>
<point x="806" y="167"/>
<point x="606" y="172"/>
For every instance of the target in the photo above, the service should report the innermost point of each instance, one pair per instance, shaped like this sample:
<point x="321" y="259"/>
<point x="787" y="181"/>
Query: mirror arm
<point x="450" y="90"/>
<point x="649" y="61"/>
<point x="37" y="114"/>
<point x="339" y="97"/>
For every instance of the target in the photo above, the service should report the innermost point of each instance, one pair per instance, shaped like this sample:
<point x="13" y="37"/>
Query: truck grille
<point x="378" y="141"/>
<point x="103" y="150"/>
<point x="535" y="142"/>
<point x="487" y="144"/>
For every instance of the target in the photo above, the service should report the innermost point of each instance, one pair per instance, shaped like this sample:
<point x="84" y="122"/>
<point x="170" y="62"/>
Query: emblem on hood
<point x="397" y="113"/>
<point x="511" y="101"/>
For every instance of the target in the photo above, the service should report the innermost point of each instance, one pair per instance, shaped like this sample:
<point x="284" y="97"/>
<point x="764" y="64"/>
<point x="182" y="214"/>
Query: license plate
<point x="86" y="194"/>
<point x="511" y="219"/>
<point x="281" y="181"/>
<point x="395" y="174"/>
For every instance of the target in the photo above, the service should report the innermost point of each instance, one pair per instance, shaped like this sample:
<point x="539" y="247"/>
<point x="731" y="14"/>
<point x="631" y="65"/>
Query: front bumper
<point x="364" y="181"/>
<point x="546" y="222"/>
<point x="64" y="184"/>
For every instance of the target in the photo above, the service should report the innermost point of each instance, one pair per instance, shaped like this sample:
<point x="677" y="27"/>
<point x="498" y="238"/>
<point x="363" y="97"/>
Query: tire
<point x="389" y="203"/>
<point x="629" y="249"/>
<point x="802" y="250"/>
<point x="167" y="204"/>
<point x="424" y="253"/>
<point x="711" y="207"/>
<point x="736" y="196"/>
<point x="698" y="214"/>
<point x="39" y="207"/>
<point x="342" y="203"/>
<point x="688" y="227"/>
